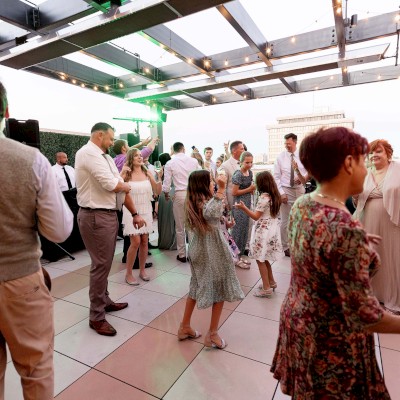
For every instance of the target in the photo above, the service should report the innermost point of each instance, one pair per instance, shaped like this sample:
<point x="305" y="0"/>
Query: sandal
<point x="182" y="335"/>
<point x="242" y="265"/>
<point x="273" y="286"/>
<point x="263" y="293"/>
<point x="144" y="277"/>
<point x="209" y="342"/>
<point x="132" y="283"/>
<point x="246" y="261"/>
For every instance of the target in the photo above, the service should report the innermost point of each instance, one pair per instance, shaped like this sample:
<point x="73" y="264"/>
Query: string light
<point x="397" y="18"/>
<point x="316" y="87"/>
<point x="190" y="60"/>
<point x="331" y="77"/>
<point x="107" y="87"/>
<point x="226" y="62"/>
<point x="121" y="85"/>
<point x="95" y="88"/>
<point x="73" y="81"/>
<point x="379" y="76"/>
<point x="214" y="99"/>
<point x="133" y="79"/>
<point x="339" y="10"/>
<point x="268" y="50"/>
<point x="147" y="70"/>
<point x="63" y="77"/>
<point x="245" y="96"/>
<point x="293" y="39"/>
<point x="82" y="85"/>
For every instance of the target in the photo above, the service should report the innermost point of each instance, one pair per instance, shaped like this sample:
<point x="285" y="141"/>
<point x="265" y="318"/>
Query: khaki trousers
<point x="292" y="194"/>
<point x="26" y="325"/>
<point x="178" y="209"/>
<point x="99" y="233"/>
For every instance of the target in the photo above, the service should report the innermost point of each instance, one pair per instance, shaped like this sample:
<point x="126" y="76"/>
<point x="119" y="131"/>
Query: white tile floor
<point x="146" y="361"/>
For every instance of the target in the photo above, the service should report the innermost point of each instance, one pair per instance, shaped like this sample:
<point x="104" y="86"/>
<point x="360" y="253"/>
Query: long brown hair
<point x="266" y="184"/>
<point x="129" y="162"/>
<point x="198" y="193"/>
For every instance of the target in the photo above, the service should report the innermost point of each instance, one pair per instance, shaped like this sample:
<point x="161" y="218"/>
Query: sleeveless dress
<point x="142" y="195"/>
<point x="240" y="231"/>
<point x="265" y="242"/>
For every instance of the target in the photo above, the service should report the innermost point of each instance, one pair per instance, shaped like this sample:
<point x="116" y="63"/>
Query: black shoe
<point x="147" y="265"/>
<point x="123" y="259"/>
<point x="148" y="253"/>
<point x="287" y="253"/>
<point x="151" y="246"/>
<point x="181" y="259"/>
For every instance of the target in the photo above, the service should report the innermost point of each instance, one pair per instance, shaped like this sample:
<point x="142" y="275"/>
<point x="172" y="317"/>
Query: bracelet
<point x="134" y="214"/>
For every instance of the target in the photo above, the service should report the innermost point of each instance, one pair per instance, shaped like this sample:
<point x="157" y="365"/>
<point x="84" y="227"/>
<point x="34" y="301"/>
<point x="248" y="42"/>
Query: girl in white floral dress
<point x="265" y="242"/>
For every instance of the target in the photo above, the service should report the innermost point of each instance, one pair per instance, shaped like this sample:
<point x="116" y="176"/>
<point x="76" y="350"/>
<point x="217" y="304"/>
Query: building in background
<point x="302" y="125"/>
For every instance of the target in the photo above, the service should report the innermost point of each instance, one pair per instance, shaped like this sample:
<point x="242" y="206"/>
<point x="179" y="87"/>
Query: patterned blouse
<point x="324" y="350"/>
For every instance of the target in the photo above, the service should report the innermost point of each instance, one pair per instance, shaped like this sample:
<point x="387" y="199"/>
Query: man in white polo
<point x="290" y="177"/>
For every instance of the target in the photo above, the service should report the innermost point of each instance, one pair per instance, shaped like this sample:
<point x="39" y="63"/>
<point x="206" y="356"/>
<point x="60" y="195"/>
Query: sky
<point x="374" y="107"/>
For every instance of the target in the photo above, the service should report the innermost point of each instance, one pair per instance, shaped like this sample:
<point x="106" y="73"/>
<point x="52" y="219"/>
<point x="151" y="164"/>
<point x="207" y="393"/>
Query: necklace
<point x="324" y="196"/>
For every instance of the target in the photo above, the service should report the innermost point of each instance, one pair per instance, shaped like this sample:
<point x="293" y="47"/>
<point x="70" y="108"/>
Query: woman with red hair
<point x="378" y="208"/>
<point x="326" y="346"/>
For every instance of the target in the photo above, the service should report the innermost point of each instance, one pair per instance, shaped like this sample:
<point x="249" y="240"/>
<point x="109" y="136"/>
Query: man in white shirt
<point x="32" y="203"/>
<point x="290" y="177"/>
<point x="65" y="173"/>
<point x="230" y="166"/>
<point x="208" y="153"/>
<point x="101" y="192"/>
<point x="178" y="170"/>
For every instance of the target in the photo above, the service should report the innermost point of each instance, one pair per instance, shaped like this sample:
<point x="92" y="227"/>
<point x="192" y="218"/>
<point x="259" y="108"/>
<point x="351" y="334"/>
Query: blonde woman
<point x="143" y="185"/>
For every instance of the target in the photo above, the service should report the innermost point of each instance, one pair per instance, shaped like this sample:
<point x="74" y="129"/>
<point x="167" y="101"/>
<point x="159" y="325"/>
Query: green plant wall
<point x="51" y="143"/>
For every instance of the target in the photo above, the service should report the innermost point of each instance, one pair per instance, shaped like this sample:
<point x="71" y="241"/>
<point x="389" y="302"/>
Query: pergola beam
<point x="355" y="57"/>
<point x="340" y="36"/>
<point x="241" y="21"/>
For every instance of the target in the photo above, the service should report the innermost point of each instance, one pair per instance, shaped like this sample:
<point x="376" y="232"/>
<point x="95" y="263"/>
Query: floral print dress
<point x="324" y="350"/>
<point x="265" y="242"/>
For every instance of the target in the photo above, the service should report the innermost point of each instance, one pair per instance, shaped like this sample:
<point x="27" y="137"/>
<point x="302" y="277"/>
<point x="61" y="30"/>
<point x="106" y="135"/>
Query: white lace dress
<point x="142" y="195"/>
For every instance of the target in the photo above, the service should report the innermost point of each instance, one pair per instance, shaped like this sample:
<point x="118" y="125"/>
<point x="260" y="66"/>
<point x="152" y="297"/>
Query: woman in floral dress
<point x="242" y="189"/>
<point x="326" y="347"/>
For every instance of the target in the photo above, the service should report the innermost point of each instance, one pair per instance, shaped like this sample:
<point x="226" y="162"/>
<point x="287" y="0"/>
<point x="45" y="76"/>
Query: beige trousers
<point x="178" y="209"/>
<point x="26" y="325"/>
<point x="292" y="194"/>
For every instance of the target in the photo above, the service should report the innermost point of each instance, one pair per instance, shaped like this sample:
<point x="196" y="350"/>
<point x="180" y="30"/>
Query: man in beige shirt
<point x="101" y="192"/>
<point x="230" y="166"/>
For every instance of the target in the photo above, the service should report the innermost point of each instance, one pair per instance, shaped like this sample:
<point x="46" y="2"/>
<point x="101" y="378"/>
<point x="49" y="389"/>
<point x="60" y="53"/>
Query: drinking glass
<point x="157" y="166"/>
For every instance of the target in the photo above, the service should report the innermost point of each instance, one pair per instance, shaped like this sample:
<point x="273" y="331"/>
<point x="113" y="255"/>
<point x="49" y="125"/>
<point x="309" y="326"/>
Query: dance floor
<point x="145" y="360"/>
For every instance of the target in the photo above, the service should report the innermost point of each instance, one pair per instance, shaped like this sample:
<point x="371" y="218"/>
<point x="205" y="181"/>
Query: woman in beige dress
<point x="378" y="208"/>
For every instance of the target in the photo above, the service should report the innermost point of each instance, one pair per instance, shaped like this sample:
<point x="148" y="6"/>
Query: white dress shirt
<point x="230" y="166"/>
<point x="282" y="170"/>
<point x="62" y="181"/>
<point x="55" y="219"/>
<point x="96" y="178"/>
<point x="178" y="169"/>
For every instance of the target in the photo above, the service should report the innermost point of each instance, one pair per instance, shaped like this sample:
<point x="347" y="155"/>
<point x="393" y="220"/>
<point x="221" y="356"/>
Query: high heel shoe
<point x="209" y="342"/>
<point x="182" y="335"/>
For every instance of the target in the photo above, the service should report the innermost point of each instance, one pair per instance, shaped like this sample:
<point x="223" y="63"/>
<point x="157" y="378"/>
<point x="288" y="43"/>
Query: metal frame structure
<point x="38" y="39"/>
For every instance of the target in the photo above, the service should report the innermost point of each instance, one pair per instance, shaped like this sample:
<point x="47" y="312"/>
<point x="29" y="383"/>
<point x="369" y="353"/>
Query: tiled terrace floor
<point x="145" y="360"/>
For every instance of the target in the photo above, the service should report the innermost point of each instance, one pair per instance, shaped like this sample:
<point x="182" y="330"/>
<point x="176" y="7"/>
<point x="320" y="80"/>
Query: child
<point x="227" y="222"/>
<point x="242" y="190"/>
<point x="265" y="242"/>
<point x="213" y="272"/>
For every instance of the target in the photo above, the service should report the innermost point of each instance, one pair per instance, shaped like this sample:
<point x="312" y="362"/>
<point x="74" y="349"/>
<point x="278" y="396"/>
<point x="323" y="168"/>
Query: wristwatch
<point x="134" y="214"/>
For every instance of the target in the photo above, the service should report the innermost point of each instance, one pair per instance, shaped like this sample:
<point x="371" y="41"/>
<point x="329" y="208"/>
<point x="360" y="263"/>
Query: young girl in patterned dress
<point x="265" y="242"/>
